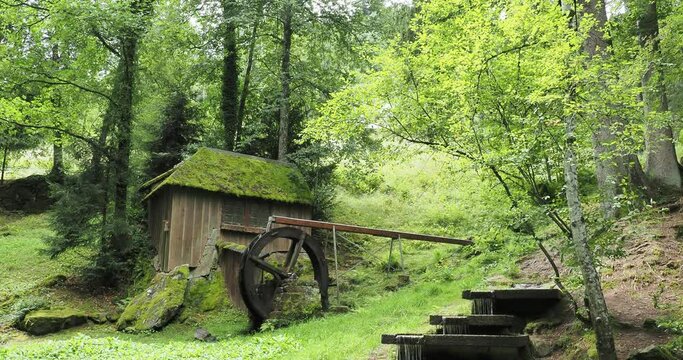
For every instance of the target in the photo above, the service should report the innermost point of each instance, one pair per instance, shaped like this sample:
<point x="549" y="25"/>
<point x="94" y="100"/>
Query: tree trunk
<point x="612" y="168"/>
<point x="591" y="278"/>
<point x="285" y="78"/>
<point x="121" y="238"/>
<point x="230" y="92"/>
<point x="247" y="76"/>
<point x="57" y="172"/>
<point x="4" y="164"/>
<point x="661" y="164"/>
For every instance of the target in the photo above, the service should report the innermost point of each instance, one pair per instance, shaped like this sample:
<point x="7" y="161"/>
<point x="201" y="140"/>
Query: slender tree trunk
<point x="5" y="152"/>
<point x="285" y="78"/>
<point x="579" y="234"/>
<point x="57" y="172"/>
<point x="661" y="164"/>
<point x="247" y="76"/>
<point x="591" y="278"/>
<point x="230" y="91"/>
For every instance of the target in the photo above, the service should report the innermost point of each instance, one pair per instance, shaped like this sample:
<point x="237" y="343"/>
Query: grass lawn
<point x="23" y="266"/>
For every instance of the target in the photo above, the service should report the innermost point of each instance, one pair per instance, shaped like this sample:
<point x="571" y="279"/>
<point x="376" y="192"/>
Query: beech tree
<point x="661" y="164"/>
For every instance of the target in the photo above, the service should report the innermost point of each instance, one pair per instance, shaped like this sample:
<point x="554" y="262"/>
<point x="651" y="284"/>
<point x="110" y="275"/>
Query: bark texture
<point x="230" y="85"/>
<point x="57" y="171"/>
<point x="121" y="238"/>
<point x="247" y="74"/>
<point x="661" y="164"/>
<point x="129" y="38"/>
<point x="613" y="168"/>
<point x="591" y="278"/>
<point x="285" y="78"/>
<point x="5" y="153"/>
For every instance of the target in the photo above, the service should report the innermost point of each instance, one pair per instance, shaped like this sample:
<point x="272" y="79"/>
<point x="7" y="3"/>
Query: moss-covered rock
<point x="43" y="322"/>
<point x="207" y="293"/>
<point x="159" y="304"/>
<point x="655" y="353"/>
<point x="296" y="299"/>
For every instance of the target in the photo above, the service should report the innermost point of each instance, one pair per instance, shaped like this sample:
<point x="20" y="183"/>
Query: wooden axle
<point x="315" y="224"/>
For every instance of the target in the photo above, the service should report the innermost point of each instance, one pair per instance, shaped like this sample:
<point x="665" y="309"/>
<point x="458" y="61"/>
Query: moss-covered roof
<point x="236" y="174"/>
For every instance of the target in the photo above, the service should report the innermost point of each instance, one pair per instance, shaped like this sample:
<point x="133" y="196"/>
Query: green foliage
<point x="316" y="163"/>
<point x="674" y="326"/>
<point x="239" y="175"/>
<point x="178" y="130"/>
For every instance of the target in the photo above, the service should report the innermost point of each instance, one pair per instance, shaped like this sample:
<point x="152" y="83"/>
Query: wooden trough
<point x="493" y="332"/>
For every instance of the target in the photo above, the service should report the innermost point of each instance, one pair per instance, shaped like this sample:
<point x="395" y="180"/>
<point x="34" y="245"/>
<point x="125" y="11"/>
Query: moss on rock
<point x="207" y="294"/>
<point x="159" y="304"/>
<point x="41" y="322"/>
<point x="295" y="300"/>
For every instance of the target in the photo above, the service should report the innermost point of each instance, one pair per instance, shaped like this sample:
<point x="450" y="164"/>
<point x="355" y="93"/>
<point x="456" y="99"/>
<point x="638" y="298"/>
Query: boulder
<point x="203" y="335"/>
<point x="295" y="299"/>
<point x="98" y="318"/>
<point x="29" y="195"/>
<point x="43" y="322"/>
<point x="653" y="352"/>
<point x="206" y="293"/>
<point x="159" y="304"/>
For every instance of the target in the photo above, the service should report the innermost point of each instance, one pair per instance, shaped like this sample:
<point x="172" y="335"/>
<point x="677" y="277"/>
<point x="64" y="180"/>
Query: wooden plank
<point x="507" y="294"/>
<point x="187" y="228"/>
<point x="513" y="341"/>
<point x="175" y="235"/>
<point x="476" y="320"/>
<point x="366" y="230"/>
<point x="244" y="229"/>
<point x="196" y="239"/>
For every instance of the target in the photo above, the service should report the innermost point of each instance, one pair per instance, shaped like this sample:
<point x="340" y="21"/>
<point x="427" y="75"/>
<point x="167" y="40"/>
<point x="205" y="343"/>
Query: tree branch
<point x="93" y="144"/>
<point x="105" y="43"/>
<point x="60" y="81"/>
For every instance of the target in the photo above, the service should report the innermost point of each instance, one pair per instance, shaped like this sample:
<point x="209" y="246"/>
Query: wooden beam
<point x="282" y="220"/>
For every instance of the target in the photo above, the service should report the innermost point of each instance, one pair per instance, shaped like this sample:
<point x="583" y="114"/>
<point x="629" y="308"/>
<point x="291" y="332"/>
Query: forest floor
<point x="643" y="287"/>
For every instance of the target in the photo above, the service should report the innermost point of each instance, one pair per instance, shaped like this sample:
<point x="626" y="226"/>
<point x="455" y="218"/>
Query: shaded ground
<point x="643" y="285"/>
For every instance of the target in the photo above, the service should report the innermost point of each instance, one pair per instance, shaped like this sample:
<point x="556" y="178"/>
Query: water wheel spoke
<point x="272" y="269"/>
<point x="293" y="255"/>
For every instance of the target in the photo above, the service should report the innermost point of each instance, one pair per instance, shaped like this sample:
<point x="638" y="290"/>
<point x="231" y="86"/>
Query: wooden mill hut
<point x="218" y="196"/>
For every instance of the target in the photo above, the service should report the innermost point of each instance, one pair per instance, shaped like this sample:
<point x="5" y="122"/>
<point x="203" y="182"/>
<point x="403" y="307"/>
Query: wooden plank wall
<point x="195" y="214"/>
<point x="159" y="212"/>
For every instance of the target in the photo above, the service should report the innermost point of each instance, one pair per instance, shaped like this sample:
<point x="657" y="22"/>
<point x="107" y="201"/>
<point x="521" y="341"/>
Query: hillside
<point x="642" y="285"/>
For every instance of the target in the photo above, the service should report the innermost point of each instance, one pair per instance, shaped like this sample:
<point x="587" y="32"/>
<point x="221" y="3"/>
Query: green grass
<point x="22" y="265"/>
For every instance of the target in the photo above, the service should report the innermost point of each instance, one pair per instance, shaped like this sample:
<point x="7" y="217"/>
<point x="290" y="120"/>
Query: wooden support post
<point x="391" y="251"/>
<point x="336" y="263"/>
<point x="400" y="251"/>
<point x="269" y="226"/>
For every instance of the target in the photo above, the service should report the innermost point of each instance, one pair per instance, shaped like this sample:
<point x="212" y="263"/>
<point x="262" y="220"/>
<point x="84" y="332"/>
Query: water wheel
<point x="263" y="270"/>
